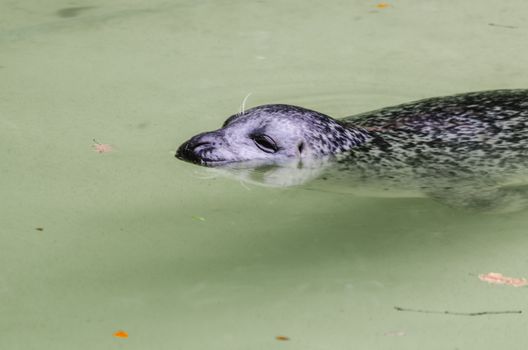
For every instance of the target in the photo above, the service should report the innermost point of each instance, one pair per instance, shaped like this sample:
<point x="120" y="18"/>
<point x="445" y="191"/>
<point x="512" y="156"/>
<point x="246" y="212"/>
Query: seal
<point x="460" y="148"/>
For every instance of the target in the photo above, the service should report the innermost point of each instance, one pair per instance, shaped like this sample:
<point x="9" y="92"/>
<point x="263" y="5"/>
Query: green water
<point x="136" y="240"/>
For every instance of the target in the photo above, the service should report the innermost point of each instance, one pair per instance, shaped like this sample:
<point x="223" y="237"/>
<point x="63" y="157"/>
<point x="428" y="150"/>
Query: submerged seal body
<point x="477" y="141"/>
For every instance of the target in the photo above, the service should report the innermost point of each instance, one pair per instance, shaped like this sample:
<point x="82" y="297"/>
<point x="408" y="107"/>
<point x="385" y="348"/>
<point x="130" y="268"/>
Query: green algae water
<point x="131" y="239"/>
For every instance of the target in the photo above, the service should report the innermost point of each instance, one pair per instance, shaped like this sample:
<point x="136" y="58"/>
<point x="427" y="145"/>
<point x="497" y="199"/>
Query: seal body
<point x="472" y="134"/>
<point x="455" y="147"/>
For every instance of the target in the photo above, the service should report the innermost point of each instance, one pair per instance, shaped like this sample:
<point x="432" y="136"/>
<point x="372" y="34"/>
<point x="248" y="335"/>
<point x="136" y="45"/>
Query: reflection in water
<point x="285" y="174"/>
<point x="330" y="175"/>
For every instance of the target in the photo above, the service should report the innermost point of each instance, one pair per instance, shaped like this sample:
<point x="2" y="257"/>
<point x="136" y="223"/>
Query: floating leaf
<point x="498" y="278"/>
<point x="121" y="334"/>
<point x="282" y="338"/>
<point x="102" y="147"/>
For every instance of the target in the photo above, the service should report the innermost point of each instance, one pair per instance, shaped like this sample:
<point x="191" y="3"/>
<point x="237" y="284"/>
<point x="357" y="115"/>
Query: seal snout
<point x="186" y="152"/>
<point x="195" y="149"/>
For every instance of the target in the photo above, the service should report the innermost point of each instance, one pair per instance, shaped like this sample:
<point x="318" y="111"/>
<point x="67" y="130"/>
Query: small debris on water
<point x="382" y="5"/>
<point x="499" y="278"/>
<point x="456" y="313"/>
<point x="101" y="147"/>
<point x="198" y="218"/>
<point x="394" y="334"/>
<point x="502" y="26"/>
<point x="39" y="228"/>
<point x="69" y="12"/>
<point x="121" y="334"/>
<point x="282" y="338"/>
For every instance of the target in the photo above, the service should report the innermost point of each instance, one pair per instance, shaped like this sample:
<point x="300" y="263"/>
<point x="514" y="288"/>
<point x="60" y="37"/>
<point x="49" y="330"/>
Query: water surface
<point x="135" y="240"/>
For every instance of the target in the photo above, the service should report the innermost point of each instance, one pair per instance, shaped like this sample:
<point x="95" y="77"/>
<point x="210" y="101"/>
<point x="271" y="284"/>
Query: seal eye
<point x="265" y="143"/>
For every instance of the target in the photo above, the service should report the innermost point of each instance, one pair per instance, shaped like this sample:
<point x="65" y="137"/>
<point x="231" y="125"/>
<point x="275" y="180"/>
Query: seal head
<point x="271" y="134"/>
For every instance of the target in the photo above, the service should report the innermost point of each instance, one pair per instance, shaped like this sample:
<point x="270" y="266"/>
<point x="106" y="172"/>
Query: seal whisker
<point x="243" y="105"/>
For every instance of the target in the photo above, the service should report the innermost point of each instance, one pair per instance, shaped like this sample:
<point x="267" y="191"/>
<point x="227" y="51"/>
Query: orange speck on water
<point x="382" y="5"/>
<point x="498" y="278"/>
<point x="282" y="337"/>
<point x="121" y="334"/>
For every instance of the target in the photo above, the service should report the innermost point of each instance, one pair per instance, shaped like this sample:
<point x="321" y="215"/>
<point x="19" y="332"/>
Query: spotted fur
<point x="470" y="135"/>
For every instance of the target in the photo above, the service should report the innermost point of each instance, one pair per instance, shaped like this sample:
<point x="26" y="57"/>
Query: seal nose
<point x="191" y="150"/>
<point x="188" y="151"/>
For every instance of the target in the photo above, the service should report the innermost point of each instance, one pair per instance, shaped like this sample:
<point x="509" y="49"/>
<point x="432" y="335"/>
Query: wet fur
<point x="466" y="150"/>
